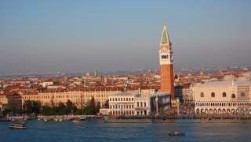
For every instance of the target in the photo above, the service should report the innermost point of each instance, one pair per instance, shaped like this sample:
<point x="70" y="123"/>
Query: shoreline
<point x="126" y="118"/>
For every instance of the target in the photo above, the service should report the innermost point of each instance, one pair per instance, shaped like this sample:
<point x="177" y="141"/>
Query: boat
<point x="17" y="125"/>
<point x="75" y="120"/>
<point x="48" y="119"/>
<point x="176" y="133"/>
<point x="81" y="126"/>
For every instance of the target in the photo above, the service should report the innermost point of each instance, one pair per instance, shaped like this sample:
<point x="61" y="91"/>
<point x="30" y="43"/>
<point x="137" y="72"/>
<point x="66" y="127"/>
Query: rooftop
<point x="226" y="83"/>
<point x="127" y="93"/>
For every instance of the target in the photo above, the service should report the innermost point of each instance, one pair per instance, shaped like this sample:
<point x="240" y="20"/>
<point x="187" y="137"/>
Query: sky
<point x="43" y="36"/>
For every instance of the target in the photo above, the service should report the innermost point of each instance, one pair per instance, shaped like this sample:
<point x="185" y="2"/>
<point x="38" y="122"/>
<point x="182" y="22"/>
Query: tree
<point x="30" y="107"/>
<point x="97" y="108"/>
<point x="106" y="105"/>
<point x="70" y="107"/>
<point x="90" y="109"/>
<point x="46" y="110"/>
<point x="1" y="113"/>
<point x="27" y="107"/>
<point x="92" y="102"/>
<point x="36" y="107"/>
<point x="60" y="109"/>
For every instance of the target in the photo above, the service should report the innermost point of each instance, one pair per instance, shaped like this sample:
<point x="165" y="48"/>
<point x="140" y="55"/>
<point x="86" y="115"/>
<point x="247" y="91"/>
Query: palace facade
<point x="222" y="97"/>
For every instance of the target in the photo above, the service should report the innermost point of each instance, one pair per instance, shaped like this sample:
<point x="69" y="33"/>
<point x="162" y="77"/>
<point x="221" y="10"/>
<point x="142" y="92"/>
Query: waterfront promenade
<point x="158" y="118"/>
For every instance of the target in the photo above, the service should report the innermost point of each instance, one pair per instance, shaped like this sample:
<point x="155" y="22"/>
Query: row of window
<point x="60" y="96"/>
<point x="223" y="104"/>
<point x="122" y="112"/>
<point x="129" y="112"/>
<point x="121" y="99"/>
<point x="121" y="107"/>
<point x="67" y="96"/>
<point x="224" y="94"/>
<point x="141" y="104"/>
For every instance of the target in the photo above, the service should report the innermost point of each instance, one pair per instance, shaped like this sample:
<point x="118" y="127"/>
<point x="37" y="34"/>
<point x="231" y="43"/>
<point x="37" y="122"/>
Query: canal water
<point x="98" y="131"/>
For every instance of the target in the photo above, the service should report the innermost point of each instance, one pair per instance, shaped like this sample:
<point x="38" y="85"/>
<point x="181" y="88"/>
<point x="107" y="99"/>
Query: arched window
<point x="224" y="94"/>
<point x="201" y="94"/>
<point x="233" y="95"/>
<point x="242" y="94"/>
<point x="212" y="94"/>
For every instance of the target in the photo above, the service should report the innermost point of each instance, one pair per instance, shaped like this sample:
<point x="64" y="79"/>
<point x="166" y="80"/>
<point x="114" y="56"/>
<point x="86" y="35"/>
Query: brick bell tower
<point x="166" y="65"/>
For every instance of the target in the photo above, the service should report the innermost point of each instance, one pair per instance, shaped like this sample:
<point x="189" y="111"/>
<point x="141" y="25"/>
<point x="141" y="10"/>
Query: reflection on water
<point x="97" y="131"/>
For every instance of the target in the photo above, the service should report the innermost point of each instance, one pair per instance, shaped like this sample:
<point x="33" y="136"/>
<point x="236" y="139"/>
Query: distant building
<point x="12" y="101"/>
<point x="78" y="98"/>
<point x="220" y="97"/>
<point x="187" y="94"/>
<point x="3" y="102"/>
<point x="133" y="104"/>
<point x="56" y="87"/>
<point x="160" y="103"/>
<point x="184" y="93"/>
<point x="46" y="83"/>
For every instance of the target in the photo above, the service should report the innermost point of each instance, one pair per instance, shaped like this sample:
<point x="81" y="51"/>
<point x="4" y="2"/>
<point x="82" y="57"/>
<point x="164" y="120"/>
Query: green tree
<point x="30" y="107"/>
<point x="27" y="107"/>
<point x="60" y="109"/>
<point x="46" y="110"/>
<point x="90" y="109"/>
<point x="92" y="102"/>
<point x="97" y="108"/>
<point x="70" y="107"/>
<point x="36" y="107"/>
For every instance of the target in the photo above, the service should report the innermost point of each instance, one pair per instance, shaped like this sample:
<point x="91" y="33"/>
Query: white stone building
<point x="46" y="83"/>
<point x="133" y="104"/>
<point x="220" y="97"/>
<point x="125" y="103"/>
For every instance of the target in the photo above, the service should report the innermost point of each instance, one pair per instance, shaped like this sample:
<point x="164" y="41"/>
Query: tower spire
<point x="164" y="36"/>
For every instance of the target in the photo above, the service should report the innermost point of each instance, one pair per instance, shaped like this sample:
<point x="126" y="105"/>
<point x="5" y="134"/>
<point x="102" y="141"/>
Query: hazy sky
<point x="77" y="35"/>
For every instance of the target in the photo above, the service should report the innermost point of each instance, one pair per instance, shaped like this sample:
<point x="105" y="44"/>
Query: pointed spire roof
<point x="165" y="36"/>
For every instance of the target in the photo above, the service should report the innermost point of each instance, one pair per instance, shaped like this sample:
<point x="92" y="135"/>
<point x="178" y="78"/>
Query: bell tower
<point x="166" y="64"/>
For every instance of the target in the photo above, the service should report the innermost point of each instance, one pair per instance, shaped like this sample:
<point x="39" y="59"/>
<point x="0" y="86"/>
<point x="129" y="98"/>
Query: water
<point x="97" y="131"/>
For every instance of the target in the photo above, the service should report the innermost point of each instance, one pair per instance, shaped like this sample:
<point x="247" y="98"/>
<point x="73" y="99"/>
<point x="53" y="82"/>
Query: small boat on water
<point x="17" y="125"/>
<point x="81" y="126"/>
<point x="75" y="120"/>
<point x="176" y="133"/>
<point x="48" y="119"/>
